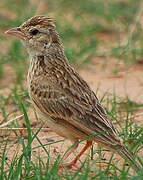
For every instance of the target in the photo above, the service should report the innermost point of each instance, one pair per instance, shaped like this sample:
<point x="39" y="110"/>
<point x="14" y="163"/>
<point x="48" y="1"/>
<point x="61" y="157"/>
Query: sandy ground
<point x="127" y="82"/>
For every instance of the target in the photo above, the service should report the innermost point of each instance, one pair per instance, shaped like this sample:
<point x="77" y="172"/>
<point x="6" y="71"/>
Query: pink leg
<point x="73" y="163"/>
<point x="70" y="152"/>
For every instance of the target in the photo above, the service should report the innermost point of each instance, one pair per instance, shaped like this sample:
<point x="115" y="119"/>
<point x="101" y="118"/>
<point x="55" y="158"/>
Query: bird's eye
<point x="34" y="32"/>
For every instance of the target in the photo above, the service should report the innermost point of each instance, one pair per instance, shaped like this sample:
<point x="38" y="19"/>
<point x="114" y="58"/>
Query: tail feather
<point x="124" y="152"/>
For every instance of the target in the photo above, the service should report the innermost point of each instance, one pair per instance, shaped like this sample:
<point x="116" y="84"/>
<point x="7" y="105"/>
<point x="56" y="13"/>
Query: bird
<point x="61" y="97"/>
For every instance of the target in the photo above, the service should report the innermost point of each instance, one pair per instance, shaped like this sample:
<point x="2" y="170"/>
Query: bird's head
<point x="37" y="34"/>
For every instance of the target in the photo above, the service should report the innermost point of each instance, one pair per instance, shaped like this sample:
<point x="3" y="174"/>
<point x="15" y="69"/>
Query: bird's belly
<point x="63" y="129"/>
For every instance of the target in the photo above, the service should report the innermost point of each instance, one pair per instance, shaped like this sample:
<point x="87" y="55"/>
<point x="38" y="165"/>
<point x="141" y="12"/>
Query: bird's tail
<point x="124" y="152"/>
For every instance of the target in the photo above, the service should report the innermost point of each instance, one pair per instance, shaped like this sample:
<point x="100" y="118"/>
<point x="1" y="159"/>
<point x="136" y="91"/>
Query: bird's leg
<point x="73" y="163"/>
<point x="70" y="151"/>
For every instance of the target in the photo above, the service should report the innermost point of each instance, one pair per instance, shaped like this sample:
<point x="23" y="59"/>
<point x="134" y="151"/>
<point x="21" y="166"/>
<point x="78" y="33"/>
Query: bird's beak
<point x="16" y="31"/>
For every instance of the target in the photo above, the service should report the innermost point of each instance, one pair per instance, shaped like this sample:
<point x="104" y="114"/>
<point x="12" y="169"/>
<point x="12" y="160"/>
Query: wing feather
<point x="61" y="93"/>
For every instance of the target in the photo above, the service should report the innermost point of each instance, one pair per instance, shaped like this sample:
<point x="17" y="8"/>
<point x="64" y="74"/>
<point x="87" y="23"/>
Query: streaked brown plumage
<point x="60" y="96"/>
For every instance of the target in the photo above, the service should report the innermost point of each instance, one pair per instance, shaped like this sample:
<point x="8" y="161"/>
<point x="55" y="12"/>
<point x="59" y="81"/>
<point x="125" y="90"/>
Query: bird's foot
<point x="69" y="165"/>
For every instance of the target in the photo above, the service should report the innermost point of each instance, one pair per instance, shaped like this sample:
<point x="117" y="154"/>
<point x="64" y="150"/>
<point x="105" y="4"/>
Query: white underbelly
<point x="61" y="129"/>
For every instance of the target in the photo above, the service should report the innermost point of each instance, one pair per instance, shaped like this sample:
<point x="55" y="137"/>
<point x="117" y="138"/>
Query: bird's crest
<point x="39" y="20"/>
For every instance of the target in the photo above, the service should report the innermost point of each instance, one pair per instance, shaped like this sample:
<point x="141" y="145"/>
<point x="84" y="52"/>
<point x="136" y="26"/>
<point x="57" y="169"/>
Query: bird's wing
<point x="65" y="95"/>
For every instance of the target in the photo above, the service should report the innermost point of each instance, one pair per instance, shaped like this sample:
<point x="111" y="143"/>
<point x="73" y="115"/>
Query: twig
<point x="8" y="122"/>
